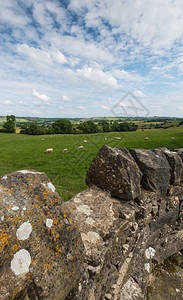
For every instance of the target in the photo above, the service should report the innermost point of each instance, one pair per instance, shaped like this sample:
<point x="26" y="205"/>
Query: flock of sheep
<point x="49" y="150"/>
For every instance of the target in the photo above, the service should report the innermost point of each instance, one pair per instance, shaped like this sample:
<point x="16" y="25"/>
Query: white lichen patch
<point x="24" y="231"/>
<point x="85" y="209"/>
<point x="15" y="208"/>
<point x="21" y="262"/>
<point x="77" y="200"/>
<point x="147" y="267"/>
<point x="91" y="237"/>
<point x="150" y="252"/>
<point x="24" y="208"/>
<point x="2" y="218"/>
<point x="29" y="172"/>
<point x="90" y="221"/>
<point x="4" y="177"/>
<point x="51" y="186"/>
<point x="49" y="222"/>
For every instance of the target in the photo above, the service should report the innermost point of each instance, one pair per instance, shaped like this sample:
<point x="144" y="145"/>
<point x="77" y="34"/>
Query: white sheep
<point x="117" y="138"/>
<point x="173" y="139"/>
<point x="85" y="141"/>
<point x="105" y="139"/>
<point x="42" y="139"/>
<point x="80" y="147"/>
<point x="146" y="138"/>
<point x="49" y="150"/>
<point x="65" y="150"/>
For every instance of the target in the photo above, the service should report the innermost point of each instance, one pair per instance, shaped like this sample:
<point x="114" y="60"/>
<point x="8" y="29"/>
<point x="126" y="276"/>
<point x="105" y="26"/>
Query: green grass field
<point x="67" y="170"/>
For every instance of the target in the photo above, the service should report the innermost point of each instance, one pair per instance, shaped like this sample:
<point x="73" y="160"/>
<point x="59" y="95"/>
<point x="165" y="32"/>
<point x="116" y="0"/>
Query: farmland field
<point x="67" y="170"/>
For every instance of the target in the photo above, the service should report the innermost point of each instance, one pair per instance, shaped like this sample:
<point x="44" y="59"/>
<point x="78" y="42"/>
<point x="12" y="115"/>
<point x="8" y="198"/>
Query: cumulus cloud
<point x="65" y="98"/>
<point x="97" y="76"/>
<point x="41" y="97"/>
<point x="6" y="102"/>
<point x="81" y="107"/>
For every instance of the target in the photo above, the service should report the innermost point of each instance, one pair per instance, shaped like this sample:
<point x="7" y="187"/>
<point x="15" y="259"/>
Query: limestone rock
<point x="41" y="250"/>
<point x="155" y="170"/>
<point x="106" y="227"/>
<point x="180" y="153"/>
<point x="115" y="170"/>
<point x="176" y="165"/>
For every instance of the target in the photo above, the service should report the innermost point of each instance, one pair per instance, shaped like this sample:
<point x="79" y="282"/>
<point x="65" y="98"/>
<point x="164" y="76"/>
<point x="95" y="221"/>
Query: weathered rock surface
<point x="155" y="170"/>
<point x="41" y="251"/>
<point x="180" y="153"/>
<point x="115" y="170"/>
<point x="175" y="162"/>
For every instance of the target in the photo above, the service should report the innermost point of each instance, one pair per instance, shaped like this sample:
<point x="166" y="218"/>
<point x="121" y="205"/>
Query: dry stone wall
<point x="102" y="243"/>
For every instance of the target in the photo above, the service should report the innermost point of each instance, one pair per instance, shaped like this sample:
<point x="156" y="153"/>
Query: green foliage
<point x="62" y="126"/>
<point x="125" y="126"/>
<point x="88" y="127"/>
<point x="33" y="129"/>
<point x="9" y="125"/>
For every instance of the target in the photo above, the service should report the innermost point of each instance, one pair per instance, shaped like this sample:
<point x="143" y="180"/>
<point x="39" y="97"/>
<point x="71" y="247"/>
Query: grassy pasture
<point x="67" y="170"/>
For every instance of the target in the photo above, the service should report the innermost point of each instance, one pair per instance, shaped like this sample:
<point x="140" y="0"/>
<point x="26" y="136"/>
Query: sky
<point x="89" y="58"/>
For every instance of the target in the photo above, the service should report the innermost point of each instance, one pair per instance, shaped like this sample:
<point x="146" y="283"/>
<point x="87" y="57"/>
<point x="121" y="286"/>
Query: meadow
<point x="67" y="170"/>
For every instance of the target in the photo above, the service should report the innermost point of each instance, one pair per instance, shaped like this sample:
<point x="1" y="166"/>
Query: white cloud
<point x="58" y="56"/>
<point x="106" y="107"/>
<point x="65" y="98"/>
<point x="6" y="102"/>
<point x="81" y="107"/>
<point x="42" y="97"/>
<point x="98" y="77"/>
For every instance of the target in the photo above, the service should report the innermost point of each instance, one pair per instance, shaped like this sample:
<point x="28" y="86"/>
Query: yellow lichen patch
<point x="28" y="275"/>
<point x="70" y="219"/>
<point x="30" y="179"/>
<point x="37" y="196"/>
<point x="35" y="205"/>
<point x="46" y="293"/>
<point x="46" y="266"/>
<point x="15" y="247"/>
<point x="68" y="228"/>
<point x="57" y="249"/>
<point x="42" y="214"/>
<point x="16" y="291"/>
<point x="9" y="206"/>
<point x="33" y="261"/>
<point x="52" y="202"/>
<point x="55" y="220"/>
<point x="59" y="225"/>
<point x="65" y="216"/>
<point x="4" y="240"/>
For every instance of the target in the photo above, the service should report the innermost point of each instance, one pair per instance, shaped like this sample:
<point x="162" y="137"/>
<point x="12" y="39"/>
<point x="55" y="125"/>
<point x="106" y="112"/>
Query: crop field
<point x="67" y="170"/>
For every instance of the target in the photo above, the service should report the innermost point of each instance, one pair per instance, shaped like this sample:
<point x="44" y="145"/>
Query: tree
<point x="88" y="127"/>
<point x="33" y="129"/>
<point x="105" y="126"/>
<point x="62" y="126"/>
<point x="9" y="125"/>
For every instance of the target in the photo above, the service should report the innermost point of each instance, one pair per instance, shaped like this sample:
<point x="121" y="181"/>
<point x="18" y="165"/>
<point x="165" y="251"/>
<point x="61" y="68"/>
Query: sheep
<point x="80" y="147"/>
<point x="85" y="141"/>
<point x="105" y="139"/>
<point x="146" y="138"/>
<point x="173" y="139"/>
<point x="65" y="150"/>
<point x="49" y="150"/>
<point x="117" y="138"/>
<point x="42" y="139"/>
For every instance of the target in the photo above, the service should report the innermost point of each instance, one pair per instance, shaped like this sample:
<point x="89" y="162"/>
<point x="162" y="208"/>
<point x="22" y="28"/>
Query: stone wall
<point x="102" y="243"/>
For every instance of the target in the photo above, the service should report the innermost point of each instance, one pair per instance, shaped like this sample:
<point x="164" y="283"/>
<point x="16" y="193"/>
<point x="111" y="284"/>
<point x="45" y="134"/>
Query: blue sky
<point x="76" y="58"/>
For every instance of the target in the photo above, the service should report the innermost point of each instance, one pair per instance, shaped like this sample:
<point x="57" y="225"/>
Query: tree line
<point x="64" y="126"/>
